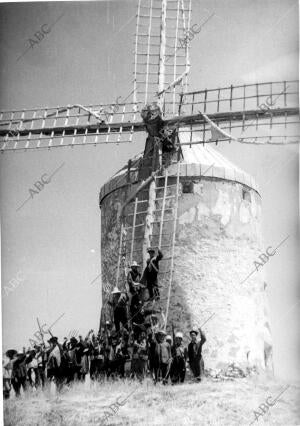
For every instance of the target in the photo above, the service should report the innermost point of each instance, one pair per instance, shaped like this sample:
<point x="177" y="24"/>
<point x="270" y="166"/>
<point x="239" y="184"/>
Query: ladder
<point x="134" y="219"/>
<point x="151" y="220"/>
<point x="132" y="236"/>
<point x="164" y="228"/>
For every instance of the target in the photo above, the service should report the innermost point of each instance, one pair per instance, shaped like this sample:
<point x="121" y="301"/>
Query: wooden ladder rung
<point x="166" y="198"/>
<point x="166" y="208"/>
<point x="134" y="239"/>
<point x="131" y="227"/>
<point x="142" y="201"/>
<point x="132" y="214"/>
<point x="157" y="235"/>
<point x="162" y="187"/>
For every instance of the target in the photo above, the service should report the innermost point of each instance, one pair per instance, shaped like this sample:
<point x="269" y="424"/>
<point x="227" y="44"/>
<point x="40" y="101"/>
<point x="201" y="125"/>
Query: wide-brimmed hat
<point x="161" y="332"/>
<point x="169" y="337"/>
<point x="115" y="290"/>
<point x="134" y="263"/>
<point x="179" y="335"/>
<point x="10" y="353"/>
<point x="150" y="250"/>
<point x="194" y="330"/>
<point x="53" y="339"/>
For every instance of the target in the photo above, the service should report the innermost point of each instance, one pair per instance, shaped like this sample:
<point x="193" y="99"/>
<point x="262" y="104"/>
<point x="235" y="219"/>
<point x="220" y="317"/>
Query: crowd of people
<point x="136" y="347"/>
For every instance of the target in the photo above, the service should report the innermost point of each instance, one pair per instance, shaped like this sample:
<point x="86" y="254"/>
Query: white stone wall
<point x="218" y="239"/>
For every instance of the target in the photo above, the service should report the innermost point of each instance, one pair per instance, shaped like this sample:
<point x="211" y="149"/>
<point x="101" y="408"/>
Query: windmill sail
<point x="161" y="61"/>
<point x="254" y="113"/>
<point x="68" y="126"/>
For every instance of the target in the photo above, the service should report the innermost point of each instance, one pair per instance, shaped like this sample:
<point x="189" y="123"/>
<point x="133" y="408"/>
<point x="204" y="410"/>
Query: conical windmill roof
<point x="194" y="154"/>
<point x="205" y="160"/>
<point x="198" y="160"/>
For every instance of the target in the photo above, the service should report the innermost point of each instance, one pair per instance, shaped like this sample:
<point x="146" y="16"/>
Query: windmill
<point x="174" y="121"/>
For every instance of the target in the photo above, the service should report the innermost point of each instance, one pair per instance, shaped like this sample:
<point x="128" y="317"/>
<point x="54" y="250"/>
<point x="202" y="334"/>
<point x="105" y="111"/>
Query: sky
<point x="52" y="243"/>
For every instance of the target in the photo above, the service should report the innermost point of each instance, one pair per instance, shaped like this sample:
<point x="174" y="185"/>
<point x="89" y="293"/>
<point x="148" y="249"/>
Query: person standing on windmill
<point x="133" y="277"/>
<point x="151" y="272"/>
<point x="134" y="287"/>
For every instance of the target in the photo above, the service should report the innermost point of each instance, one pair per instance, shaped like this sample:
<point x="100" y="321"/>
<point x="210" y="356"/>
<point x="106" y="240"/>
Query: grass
<point x="207" y="403"/>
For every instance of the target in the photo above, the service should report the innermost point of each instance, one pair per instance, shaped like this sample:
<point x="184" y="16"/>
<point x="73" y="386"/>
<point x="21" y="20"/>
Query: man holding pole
<point x="195" y="353"/>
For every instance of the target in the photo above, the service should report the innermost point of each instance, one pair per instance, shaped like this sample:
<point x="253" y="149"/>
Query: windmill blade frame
<point x="260" y="113"/>
<point x="161" y="64"/>
<point x="69" y="126"/>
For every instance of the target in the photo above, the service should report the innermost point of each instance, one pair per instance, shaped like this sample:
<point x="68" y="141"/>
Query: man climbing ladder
<point x="150" y="273"/>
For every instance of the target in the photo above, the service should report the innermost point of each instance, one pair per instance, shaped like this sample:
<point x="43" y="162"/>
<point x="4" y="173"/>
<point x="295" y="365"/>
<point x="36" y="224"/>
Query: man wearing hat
<point x="54" y="362"/>
<point x="18" y="374"/>
<point x="151" y="271"/>
<point x="162" y="357"/>
<point x="122" y="355"/>
<point x="139" y="355"/>
<point x="119" y="305"/>
<point x="137" y="314"/>
<point x="41" y="362"/>
<point x="135" y="295"/>
<point x="195" y="353"/>
<point x="177" y="371"/>
<point x="112" y="362"/>
<point x="133" y="277"/>
<point x="7" y="370"/>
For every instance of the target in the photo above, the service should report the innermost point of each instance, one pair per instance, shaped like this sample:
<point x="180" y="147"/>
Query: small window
<point x="246" y="195"/>
<point x="188" y="187"/>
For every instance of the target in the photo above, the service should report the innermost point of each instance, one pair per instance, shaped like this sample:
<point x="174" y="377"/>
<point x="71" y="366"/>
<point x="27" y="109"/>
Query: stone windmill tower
<point x="217" y="210"/>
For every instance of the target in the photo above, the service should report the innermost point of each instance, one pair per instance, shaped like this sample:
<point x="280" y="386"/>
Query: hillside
<point x="208" y="403"/>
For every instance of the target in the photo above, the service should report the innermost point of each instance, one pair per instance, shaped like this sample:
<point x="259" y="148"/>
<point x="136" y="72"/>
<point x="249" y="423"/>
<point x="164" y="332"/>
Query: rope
<point x="173" y="245"/>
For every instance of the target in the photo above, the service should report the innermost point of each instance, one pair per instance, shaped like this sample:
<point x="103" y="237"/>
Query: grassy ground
<point x="207" y="403"/>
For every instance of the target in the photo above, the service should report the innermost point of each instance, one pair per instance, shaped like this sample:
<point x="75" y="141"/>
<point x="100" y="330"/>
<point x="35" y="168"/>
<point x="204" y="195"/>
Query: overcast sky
<point x="53" y="241"/>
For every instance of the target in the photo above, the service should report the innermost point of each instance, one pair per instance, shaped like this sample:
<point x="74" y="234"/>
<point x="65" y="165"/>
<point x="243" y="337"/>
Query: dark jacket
<point x="133" y="276"/>
<point x="162" y="354"/>
<point x="151" y="271"/>
<point x="19" y="368"/>
<point x="195" y="350"/>
<point x="136" y="309"/>
<point x="120" y="304"/>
